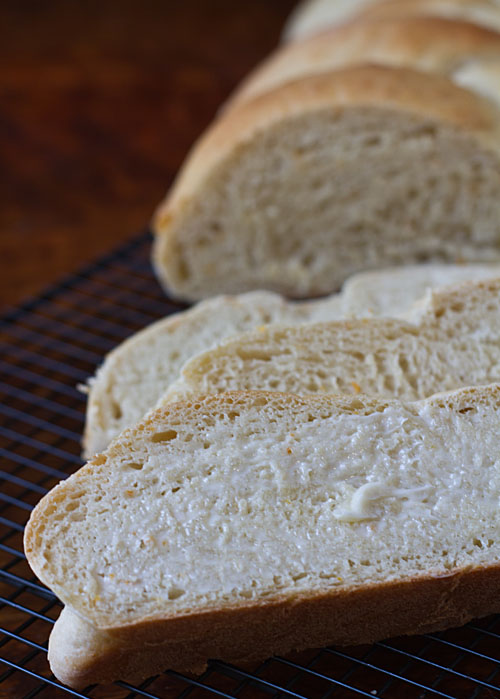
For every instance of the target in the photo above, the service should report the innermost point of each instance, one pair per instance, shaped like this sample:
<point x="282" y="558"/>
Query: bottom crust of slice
<point x="80" y="654"/>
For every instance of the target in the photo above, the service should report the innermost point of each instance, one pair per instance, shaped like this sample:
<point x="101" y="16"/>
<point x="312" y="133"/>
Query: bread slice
<point x="138" y="372"/>
<point x="247" y="524"/>
<point x="455" y="48"/>
<point x="451" y="339"/>
<point x="313" y="17"/>
<point x="281" y="194"/>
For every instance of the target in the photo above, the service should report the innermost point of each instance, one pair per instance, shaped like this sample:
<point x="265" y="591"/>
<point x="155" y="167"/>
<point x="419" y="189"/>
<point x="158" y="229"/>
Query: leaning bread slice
<point x="139" y="371"/>
<point x="433" y="44"/>
<point x="247" y="524"/>
<point x="359" y="168"/>
<point x="451" y="339"/>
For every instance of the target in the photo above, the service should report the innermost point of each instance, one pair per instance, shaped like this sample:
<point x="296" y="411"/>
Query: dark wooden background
<point x="99" y="103"/>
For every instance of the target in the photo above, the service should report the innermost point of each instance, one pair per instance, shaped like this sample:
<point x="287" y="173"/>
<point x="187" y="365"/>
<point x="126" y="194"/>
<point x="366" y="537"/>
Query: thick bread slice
<point x="315" y="16"/>
<point x="280" y="193"/>
<point x="434" y="44"/>
<point x="139" y="371"/>
<point x="451" y="339"/>
<point x="247" y="524"/>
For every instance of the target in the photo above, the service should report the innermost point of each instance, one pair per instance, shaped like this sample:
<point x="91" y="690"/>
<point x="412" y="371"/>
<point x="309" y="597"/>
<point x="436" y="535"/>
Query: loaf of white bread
<point x="330" y="174"/>
<point x="246" y="524"/>
<point x="315" y="16"/>
<point x="249" y="523"/>
<point x="136" y="374"/>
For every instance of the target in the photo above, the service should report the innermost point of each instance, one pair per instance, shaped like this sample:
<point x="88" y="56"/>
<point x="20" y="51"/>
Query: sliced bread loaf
<point x="281" y="194"/>
<point x="451" y="339"/>
<point x="247" y="524"/>
<point x="139" y="371"/>
<point x="449" y="47"/>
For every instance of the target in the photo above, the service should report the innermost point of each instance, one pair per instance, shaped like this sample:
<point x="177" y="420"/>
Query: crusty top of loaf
<point x="483" y="12"/>
<point x="435" y="44"/>
<point x="402" y="89"/>
<point x="314" y="16"/>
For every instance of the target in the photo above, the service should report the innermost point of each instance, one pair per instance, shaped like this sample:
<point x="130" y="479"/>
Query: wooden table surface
<point x="99" y="103"/>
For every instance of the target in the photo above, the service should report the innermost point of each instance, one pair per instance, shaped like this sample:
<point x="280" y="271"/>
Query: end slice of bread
<point x="246" y="524"/>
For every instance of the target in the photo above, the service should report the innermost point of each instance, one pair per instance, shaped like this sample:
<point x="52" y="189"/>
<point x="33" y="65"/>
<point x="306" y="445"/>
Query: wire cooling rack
<point x="48" y="346"/>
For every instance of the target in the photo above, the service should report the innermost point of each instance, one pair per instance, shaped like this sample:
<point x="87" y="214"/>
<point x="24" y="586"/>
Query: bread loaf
<point x="139" y="371"/>
<point x="315" y="16"/>
<point x="281" y="192"/>
<point x="467" y="53"/>
<point x="248" y="524"/>
<point x="451" y="339"/>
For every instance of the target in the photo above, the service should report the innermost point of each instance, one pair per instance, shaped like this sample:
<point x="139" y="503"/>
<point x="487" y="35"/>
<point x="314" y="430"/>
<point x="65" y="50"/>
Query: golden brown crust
<point x="482" y="11"/>
<point x="435" y="44"/>
<point x="429" y="603"/>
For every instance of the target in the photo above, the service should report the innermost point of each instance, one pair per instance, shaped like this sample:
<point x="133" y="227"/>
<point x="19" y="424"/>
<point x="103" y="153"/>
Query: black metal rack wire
<point x="49" y="346"/>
